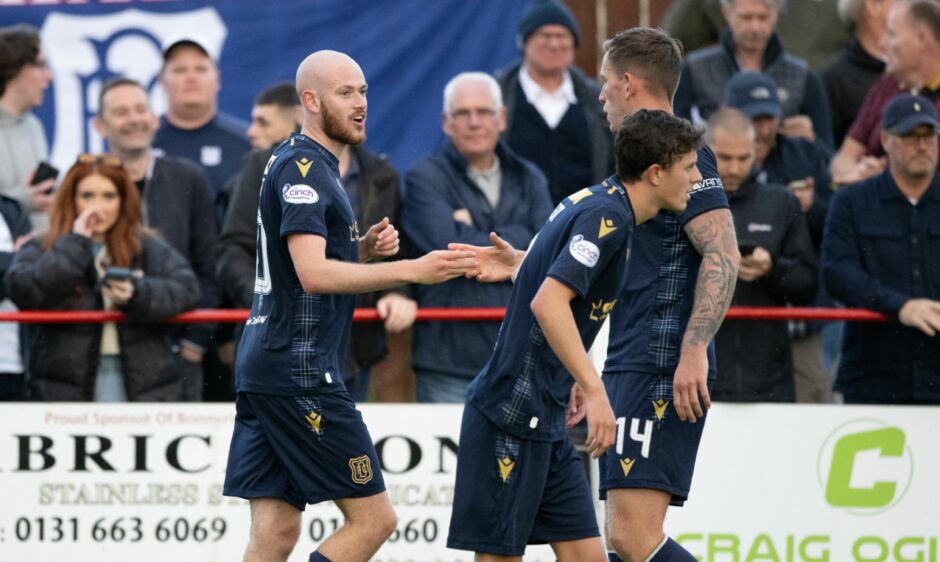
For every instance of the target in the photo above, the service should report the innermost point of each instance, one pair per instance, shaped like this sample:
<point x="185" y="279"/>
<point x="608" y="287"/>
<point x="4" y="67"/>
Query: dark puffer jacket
<point x="64" y="357"/>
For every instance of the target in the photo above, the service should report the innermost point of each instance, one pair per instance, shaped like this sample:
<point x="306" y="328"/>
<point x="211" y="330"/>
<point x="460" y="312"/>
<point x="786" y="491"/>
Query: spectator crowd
<point x="829" y="164"/>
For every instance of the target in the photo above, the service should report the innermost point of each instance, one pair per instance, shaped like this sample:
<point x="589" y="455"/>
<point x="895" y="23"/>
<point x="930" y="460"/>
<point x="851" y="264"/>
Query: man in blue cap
<point x="881" y="251"/>
<point x="553" y="118"/>
<point x="803" y="166"/>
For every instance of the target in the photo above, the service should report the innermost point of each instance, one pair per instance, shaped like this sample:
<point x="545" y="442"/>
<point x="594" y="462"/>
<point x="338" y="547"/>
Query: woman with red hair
<point x="98" y="256"/>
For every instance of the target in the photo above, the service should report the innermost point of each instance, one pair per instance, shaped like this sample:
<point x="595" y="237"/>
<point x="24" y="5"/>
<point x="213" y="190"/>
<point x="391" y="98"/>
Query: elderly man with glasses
<point x="473" y="186"/>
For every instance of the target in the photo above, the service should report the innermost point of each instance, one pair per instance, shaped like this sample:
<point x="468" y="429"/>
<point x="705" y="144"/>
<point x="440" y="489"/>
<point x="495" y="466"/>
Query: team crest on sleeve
<point x="607" y="226"/>
<point x="300" y="194"/>
<point x="361" y="469"/>
<point x="585" y="251"/>
<point x="303" y="165"/>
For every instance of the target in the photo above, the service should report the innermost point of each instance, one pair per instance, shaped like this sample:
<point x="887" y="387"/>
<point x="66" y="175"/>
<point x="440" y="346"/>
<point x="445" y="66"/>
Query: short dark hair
<point x="926" y="12"/>
<point x="283" y="95"/>
<point x="19" y="46"/>
<point x="116" y="83"/>
<point x="652" y="137"/>
<point x="651" y="54"/>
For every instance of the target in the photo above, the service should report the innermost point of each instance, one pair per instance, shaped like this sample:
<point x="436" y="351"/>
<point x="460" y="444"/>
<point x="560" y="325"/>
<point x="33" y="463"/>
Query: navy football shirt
<point x="295" y="342"/>
<point x="656" y="302"/>
<point x="524" y="388"/>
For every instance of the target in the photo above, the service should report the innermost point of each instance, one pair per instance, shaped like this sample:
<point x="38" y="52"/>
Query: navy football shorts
<point x="654" y="449"/>
<point x="301" y="449"/>
<point x="511" y="492"/>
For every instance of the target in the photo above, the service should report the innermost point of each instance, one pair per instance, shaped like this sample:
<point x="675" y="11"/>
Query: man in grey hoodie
<point x="24" y="77"/>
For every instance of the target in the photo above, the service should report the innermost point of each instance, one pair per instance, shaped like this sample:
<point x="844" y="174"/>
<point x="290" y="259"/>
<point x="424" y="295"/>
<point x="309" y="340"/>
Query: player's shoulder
<point x="711" y="181"/>
<point x="606" y="204"/>
<point x="297" y="159"/>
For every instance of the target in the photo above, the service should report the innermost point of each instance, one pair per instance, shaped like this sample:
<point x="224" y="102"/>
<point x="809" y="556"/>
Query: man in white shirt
<point x="554" y="119"/>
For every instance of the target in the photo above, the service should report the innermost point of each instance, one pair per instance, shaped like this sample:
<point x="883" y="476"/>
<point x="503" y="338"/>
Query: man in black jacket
<point x="372" y="186"/>
<point x="778" y="267"/>
<point x="15" y="230"/>
<point x="176" y="201"/>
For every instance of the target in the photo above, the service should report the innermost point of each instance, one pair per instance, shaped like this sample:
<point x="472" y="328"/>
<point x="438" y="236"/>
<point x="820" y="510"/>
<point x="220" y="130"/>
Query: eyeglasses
<point x="465" y="114"/>
<point x="104" y="159"/>
<point x="564" y="37"/>
<point x="915" y="138"/>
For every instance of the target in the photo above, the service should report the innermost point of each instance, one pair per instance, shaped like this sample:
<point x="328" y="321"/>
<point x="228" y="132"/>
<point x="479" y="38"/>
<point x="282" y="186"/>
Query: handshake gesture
<point x="494" y="263"/>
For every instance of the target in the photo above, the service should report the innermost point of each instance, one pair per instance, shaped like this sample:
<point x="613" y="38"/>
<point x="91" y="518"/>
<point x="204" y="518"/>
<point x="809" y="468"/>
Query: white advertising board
<point x="791" y="483"/>
<point x="807" y="483"/>
<point x="109" y="483"/>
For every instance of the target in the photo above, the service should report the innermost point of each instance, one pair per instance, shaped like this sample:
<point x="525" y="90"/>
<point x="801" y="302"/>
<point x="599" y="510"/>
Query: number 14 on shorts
<point x="645" y="438"/>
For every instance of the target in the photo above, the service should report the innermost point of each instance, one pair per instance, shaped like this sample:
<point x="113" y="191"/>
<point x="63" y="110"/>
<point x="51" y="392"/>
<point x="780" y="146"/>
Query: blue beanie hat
<point x="544" y="12"/>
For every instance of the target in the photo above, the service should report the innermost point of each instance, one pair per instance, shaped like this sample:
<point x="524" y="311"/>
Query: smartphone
<point x="45" y="171"/>
<point x="116" y="274"/>
<point x="746" y="248"/>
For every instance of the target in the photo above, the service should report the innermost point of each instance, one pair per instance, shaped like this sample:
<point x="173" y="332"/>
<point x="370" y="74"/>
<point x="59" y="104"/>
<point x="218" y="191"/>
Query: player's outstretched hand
<point x="497" y="262"/>
<point x="576" y="410"/>
<point x="689" y="384"/>
<point x="442" y="265"/>
<point x="602" y="428"/>
<point x="380" y="242"/>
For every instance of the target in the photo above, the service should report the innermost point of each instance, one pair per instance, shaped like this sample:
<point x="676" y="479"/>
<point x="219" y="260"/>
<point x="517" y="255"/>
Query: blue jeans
<point x="109" y="381"/>
<point x="440" y="388"/>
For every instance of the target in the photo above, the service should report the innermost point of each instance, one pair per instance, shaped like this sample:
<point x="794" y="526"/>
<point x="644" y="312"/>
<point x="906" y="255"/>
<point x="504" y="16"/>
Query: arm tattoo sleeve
<point x="712" y="234"/>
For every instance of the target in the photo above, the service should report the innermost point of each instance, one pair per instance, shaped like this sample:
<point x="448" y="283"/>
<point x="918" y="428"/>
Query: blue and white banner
<point x="408" y="49"/>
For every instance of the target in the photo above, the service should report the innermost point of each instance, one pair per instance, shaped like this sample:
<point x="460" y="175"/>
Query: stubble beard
<point x="336" y="128"/>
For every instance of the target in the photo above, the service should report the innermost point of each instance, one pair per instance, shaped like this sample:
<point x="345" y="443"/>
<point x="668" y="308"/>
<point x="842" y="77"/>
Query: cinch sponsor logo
<point x="300" y="194"/>
<point x="585" y="251"/>
<point x="865" y="467"/>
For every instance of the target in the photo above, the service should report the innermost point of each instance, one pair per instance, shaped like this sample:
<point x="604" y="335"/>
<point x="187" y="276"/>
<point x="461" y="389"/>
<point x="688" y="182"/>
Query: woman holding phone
<point x="98" y="256"/>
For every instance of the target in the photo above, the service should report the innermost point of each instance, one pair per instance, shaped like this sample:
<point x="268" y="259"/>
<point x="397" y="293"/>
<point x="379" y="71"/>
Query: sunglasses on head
<point x="103" y="159"/>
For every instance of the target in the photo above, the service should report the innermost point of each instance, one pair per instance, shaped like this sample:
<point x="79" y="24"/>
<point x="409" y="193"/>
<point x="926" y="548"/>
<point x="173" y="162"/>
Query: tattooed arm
<point x="712" y="234"/>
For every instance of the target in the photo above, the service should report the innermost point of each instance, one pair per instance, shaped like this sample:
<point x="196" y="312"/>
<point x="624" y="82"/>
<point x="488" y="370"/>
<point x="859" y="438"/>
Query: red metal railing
<point x="424" y="314"/>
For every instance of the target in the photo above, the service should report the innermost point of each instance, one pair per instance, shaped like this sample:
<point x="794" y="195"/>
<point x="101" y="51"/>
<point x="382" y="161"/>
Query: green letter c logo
<point x="839" y="492"/>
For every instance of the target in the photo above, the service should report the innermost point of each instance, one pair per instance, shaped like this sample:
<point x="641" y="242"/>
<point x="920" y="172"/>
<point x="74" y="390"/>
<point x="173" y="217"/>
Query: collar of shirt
<point x="353" y="169"/>
<point x="8" y="118"/>
<point x="551" y="105"/>
<point x="485" y="175"/>
<point x="890" y="189"/>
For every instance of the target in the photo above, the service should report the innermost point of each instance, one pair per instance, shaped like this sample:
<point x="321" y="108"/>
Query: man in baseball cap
<point x="906" y="113"/>
<point x="803" y="166"/>
<point x="881" y="252"/>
